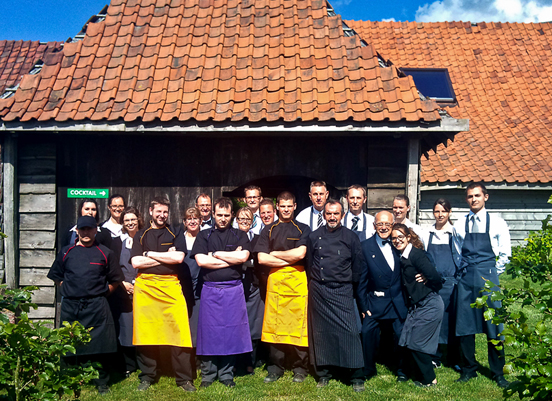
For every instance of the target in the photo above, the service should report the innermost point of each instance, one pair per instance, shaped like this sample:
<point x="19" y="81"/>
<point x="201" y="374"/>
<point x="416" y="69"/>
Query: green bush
<point x="30" y="353"/>
<point x="526" y="314"/>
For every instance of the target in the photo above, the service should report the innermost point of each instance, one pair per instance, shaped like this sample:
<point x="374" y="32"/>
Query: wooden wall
<point x="523" y="209"/>
<point x="37" y="221"/>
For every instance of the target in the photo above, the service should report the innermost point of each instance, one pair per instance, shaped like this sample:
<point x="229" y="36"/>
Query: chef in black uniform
<point x="334" y="265"/>
<point x="87" y="273"/>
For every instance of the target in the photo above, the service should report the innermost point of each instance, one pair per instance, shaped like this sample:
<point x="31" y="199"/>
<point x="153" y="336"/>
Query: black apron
<point x="478" y="264"/>
<point x="444" y="263"/>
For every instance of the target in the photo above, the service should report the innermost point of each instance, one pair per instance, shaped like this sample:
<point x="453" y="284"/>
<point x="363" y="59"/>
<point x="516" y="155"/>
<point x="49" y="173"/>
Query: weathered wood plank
<point x="34" y="277"/>
<point x="37" y="221"/>
<point x="44" y="295"/>
<point x="37" y="203"/>
<point x="10" y="208"/>
<point x="38" y="188"/>
<point x="37" y="240"/>
<point x="37" y="179"/>
<point x="43" y="312"/>
<point x="36" y="258"/>
<point x="382" y="198"/>
<point x="37" y="166"/>
<point x="413" y="177"/>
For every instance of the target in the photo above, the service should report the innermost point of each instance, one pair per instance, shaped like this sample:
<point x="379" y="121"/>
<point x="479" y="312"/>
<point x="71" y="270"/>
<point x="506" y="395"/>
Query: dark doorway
<point x="297" y="185"/>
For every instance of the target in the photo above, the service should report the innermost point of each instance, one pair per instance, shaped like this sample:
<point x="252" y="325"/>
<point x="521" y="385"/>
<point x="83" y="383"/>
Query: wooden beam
<point x="10" y="209"/>
<point x="413" y="177"/>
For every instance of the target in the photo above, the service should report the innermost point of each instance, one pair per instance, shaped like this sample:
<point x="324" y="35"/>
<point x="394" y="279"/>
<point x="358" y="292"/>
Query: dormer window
<point x="433" y="83"/>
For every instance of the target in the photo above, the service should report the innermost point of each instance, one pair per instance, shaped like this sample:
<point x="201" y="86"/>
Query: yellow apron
<point x="285" y="318"/>
<point x="160" y="312"/>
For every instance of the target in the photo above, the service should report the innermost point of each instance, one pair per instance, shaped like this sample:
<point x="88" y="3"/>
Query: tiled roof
<point x="217" y="60"/>
<point x="18" y="58"/>
<point x="502" y="76"/>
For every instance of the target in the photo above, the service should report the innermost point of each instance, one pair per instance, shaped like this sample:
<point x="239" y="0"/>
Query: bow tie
<point x="205" y="222"/>
<point x="386" y="241"/>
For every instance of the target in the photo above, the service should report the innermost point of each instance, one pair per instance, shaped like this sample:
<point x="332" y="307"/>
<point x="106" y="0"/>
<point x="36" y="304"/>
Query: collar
<point x="447" y="228"/>
<point x="479" y="214"/>
<point x="379" y="240"/>
<point x="315" y="211"/>
<point x="406" y="253"/>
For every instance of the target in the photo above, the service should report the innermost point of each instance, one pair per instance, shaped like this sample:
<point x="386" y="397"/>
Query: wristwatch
<point x="213" y="254"/>
<point x="146" y="254"/>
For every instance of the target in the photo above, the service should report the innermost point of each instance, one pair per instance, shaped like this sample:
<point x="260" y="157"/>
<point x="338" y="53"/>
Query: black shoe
<point x="401" y="378"/>
<point x="144" y="385"/>
<point x="205" y="384"/>
<point x="465" y="377"/>
<point x="272" y="377"/>
<point x="188" y="386"/>
<point x="501" y="381"/>
<point x="228" y="383"/>
<point x="102" y="389"/>
<point x="323" y="382"/>
<point x="299" y="377"/>
<point x="358" y="387"/>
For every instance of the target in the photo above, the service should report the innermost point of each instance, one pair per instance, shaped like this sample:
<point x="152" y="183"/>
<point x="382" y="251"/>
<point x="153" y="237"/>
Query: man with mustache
<point x="334" y="265"/>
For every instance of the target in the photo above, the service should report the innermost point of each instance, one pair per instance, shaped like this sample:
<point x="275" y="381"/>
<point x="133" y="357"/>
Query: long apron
<point x="285" y="318"/>
<point x="443" y="258"/>
<point x="334" y="338"/>
<point x="223" y="328"/>
<point x="160" y="311"/>
<point x="422" y="325"/>
<point x="478" y="264"/>
<point x="92" y="313"/>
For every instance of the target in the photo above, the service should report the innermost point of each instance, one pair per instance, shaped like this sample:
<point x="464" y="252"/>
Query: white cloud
<point x="486" y="10"/>
<point x="388" y="20"/>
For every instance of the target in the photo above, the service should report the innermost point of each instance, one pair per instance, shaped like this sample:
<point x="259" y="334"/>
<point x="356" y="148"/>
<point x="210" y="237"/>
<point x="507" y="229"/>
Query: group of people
<point x="310" y="294"/>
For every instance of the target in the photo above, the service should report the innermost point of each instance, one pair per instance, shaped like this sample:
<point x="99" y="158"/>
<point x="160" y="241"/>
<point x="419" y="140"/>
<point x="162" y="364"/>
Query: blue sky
<point x="47" y="20"/>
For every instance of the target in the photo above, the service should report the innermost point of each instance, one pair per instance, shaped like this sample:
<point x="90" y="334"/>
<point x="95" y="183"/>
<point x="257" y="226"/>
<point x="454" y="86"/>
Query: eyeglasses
<point x="115" y="207"/>
<point x="243" y="220"/>
<point x="384" y="225"/>
<point x="399" y="237"/>
<point x="130" y="220"/>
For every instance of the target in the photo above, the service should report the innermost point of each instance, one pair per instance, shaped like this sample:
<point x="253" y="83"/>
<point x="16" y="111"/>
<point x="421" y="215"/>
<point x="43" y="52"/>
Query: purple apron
<point x="223" y="327"/>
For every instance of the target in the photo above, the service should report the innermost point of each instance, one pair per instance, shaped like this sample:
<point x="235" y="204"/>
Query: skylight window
<point x="433" y="83"/>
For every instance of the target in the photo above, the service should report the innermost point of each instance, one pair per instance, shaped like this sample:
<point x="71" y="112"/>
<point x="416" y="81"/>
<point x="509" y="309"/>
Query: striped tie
<point x="319" y="220"/>
<point x="355" y="223"/>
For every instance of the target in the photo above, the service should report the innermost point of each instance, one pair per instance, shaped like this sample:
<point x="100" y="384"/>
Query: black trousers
<point x="425" y="366"/>
<point x="182" y="362"/>
<point x="370" y="343"/>
<point x="103" y="359"/>
<point x="353" y="375"/>
<point x="221" y="366"/>
<point x="469" y="363"/>
<point x="298" y="357"/>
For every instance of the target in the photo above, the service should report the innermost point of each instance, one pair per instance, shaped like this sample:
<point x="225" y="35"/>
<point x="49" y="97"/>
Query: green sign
<point x="102" y="193"/>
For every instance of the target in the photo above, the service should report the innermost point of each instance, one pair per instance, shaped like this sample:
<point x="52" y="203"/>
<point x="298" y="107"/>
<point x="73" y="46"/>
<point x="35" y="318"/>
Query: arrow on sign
<point x="102" y="193"/>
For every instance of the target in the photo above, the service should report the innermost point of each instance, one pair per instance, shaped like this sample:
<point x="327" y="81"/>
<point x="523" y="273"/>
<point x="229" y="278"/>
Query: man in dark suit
<point x="380" y="293"/>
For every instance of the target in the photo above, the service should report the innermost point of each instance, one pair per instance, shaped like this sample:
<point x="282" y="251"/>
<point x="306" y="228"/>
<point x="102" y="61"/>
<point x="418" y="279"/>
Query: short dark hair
<point x="115" y="196"/>
<point x="474" y="185"/>
<point x="89" y="200"/>
<point x="132" y="210"/>
<point x="223" y="203"/>
<point x="443" y="202"/>
<point x="286" y="195"/>
<point x="318" y="184"/>
<point x="402" y="198"/>
<point x="252" y="188"/>
<point x="160" y="200"/>
<point x="202" y="195"/>
<point x="356" y="186"/>
<point x="333" y="202"/>
<point x="266" y="201"/>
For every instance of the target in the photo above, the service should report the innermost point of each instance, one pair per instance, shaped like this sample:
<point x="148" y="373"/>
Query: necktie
<point x="355" y="223"/>
<point x="250" y="235"/>
<point x="319" y="219"/>
<point x="475" y="224"/>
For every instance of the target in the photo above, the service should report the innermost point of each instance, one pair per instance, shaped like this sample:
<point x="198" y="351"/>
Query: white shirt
<point x="208" y="224"/>
<point x="498" y="232"/>
<point x="369" y="230"/>
<point x="406" y="253"/>
<point x="420" y="232"/>
<point x="115" y="229"/>
<point x="305" y="217"/>
<point x="387" y="251"/>
<point x="440" y="237"/>
<point x="255" y="226"/>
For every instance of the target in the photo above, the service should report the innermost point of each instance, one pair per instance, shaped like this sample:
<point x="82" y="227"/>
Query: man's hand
<point x="420" y="278"/>
<point x="129" y="288"/>
<point x="368" y="313"/>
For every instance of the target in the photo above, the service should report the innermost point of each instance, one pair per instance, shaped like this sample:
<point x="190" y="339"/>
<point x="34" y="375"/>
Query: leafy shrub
<point x="527" y="316"/>
<point x="30" y="352"/>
